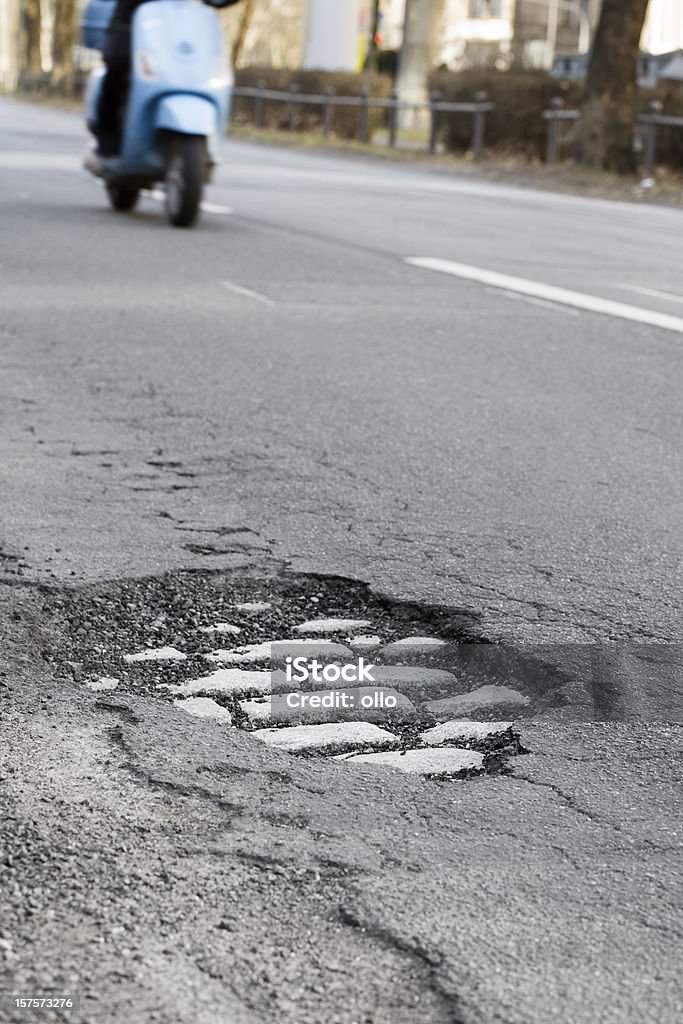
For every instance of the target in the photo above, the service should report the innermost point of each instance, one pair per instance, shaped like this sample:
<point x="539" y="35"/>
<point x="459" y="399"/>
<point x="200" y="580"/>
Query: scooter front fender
<point x="189" y="115"/>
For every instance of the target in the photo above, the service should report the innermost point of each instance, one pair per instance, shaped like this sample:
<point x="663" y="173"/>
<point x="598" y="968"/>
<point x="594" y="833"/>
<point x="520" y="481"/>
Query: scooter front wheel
<point x="122" y="197"/>
<point x="184" y="179"/>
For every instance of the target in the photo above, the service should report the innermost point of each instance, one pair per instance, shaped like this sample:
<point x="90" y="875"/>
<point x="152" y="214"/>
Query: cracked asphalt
<point x="347" y="414"/>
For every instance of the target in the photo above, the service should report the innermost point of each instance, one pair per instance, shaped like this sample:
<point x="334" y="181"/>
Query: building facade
<point x="332" y="34"/>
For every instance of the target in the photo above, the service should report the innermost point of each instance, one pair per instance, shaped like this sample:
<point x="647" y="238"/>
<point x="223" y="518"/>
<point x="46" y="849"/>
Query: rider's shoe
<point x="92" y="162"/>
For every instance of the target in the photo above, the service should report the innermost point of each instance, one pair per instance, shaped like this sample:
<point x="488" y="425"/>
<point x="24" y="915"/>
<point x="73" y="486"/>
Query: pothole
<point x="217" y="647"/>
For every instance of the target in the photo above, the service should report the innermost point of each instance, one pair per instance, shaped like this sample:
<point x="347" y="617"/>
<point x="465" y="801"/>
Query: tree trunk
<point x="420" y="33"/>
<point x="9" y="57"/>
<point x="63" y="39"/>
<point x="605" y="134"/>
<point x="30" y="23"/>
<point x="242" y="29"/>
<point x="517" y="47"/>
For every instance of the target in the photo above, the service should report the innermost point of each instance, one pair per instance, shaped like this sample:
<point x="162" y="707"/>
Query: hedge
<point x="515" y="126"/>
<point x="309" y="118"/>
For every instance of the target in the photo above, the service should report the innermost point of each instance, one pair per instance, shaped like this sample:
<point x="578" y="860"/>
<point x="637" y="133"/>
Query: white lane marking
<point x="217" y="208"/>
<point x="655" y="292"/>
<point x="538" y="290"/>
<point x="565" y="310"/>
<point x="158" y="195"/>
<point x="239" y="289"/>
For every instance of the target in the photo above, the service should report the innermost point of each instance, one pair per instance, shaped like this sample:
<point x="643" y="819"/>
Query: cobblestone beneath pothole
<point x="331" y="625"/>
<point x="485" y="700"/>
<point x="330" y="738"/>
<point x="155" y="654"/>
<point x="276" y="652"/>
<point x="253" y="607"/>
<point x="415" y="681"/>
<point x="408" y="647"/>
<point x="315" y="707"/>
<point x="464" y="732"/>
<point x="225" y="680"/>
<point x="364" y="644"/>
<point x="103" y="684"/>
<point x="248" y="654"/>
<point x="221" y="628"/>
<point x="438" y="761"/>
<point x="204" y="707"/>
<point x="159" y="637"/>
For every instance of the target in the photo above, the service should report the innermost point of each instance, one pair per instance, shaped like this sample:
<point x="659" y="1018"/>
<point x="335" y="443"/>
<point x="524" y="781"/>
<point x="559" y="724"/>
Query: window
<point x="486" y="8"/>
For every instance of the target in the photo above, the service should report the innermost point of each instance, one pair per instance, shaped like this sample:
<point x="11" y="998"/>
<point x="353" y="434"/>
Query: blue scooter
<point x="178" y="104"/>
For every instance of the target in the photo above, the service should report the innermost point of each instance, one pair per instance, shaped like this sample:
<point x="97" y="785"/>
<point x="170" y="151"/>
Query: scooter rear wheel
<point x="185" y="180"/>
<point x="122" y="197"/>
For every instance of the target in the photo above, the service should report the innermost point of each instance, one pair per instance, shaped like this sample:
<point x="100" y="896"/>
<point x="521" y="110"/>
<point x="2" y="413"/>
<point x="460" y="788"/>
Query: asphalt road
<point x="441" y="438"/>
<point x="282" y="371"/>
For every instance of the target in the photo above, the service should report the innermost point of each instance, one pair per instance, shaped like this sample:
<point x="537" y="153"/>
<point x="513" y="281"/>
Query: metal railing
<point x="329" y="100"/>
<point x="41" y="82"/>
<point x="651" y="122"/>
<point x="557" y="116"/>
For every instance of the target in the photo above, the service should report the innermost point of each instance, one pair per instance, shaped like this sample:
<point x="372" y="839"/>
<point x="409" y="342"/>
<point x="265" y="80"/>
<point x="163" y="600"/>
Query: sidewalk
<point x="664" y="190"/>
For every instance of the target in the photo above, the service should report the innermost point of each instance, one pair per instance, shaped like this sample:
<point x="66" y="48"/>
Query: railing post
<point x="655" y="107"/>
<point x="434" y="98"/>
<point x="393" y="118"/>
<point x="327" y="111"/>
<point x="478" y="125"/>
<point x="293" y="107"/>
<point x="552" y="142"/>
<point x="260" y="103"/>
<point x="363" y="116"/>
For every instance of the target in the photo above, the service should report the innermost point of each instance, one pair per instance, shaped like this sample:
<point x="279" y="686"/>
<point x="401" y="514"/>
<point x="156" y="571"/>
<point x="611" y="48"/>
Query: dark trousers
<point x="115" y="83"/>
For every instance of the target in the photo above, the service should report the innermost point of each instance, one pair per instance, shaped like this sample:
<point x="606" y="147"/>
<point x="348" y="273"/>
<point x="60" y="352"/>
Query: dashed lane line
<point x="550" y="293"/>
<point x="656" y="293"/>
<point x="248" y="293"/>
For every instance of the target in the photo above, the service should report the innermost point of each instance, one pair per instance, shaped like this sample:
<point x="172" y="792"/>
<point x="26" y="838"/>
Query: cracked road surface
<point x="348" y="412"/>
<point x="280" y="389"/>
<point x="176" y="873"/>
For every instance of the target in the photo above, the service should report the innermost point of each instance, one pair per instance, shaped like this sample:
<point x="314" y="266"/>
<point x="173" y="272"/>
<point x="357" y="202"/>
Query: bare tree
<point x="517" y="37"/>
<point x="29" y="36"/>
<point x="266" y="32"/>
<point x="423" y="19"/>
<point x="605" y="134"/>
<point x="9" y="57"/>
<point x="245" y="16"/>
<point x="63" y="39"/>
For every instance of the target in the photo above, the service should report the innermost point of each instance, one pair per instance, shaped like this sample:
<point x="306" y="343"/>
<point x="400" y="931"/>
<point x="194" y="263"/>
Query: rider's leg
<point x="114" y="89"/>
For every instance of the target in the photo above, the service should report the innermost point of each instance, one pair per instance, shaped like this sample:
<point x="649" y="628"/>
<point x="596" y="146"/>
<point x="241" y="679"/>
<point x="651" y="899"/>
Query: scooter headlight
<point x="146" y="66"/>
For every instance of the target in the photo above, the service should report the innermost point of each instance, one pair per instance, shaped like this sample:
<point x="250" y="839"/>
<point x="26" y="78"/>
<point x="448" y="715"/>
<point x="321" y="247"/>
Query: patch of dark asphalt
<point x="94" y="626"/>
